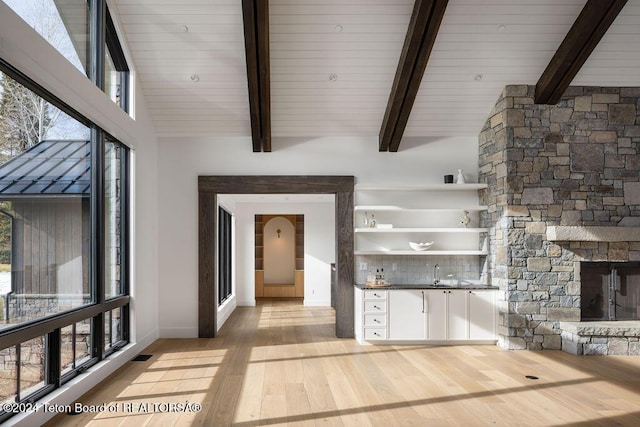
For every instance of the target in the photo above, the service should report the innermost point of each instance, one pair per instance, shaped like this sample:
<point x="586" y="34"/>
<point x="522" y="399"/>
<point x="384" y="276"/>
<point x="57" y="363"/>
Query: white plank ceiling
<point x="482" y="46"/>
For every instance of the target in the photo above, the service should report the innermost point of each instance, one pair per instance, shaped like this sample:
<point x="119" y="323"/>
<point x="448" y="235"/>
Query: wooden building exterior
<point x="48" y="188"/>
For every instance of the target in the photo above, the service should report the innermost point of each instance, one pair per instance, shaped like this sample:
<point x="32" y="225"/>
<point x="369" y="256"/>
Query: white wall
<point x="279" y="251"/>
<point x="25" y="50"/>
<point x="181" y="160"/>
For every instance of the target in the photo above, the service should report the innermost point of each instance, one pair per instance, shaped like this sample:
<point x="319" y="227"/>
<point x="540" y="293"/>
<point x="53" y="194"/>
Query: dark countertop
<point x="427" y="286"/>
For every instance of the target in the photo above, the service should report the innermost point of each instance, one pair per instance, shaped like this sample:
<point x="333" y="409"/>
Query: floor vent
<point x="142" y="358"/>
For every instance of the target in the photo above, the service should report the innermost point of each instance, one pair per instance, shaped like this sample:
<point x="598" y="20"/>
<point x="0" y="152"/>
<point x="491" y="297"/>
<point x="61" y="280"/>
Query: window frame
<point x="116" y="52"/>
<point x="225" y="255"/>
<point x="102" y="37"/>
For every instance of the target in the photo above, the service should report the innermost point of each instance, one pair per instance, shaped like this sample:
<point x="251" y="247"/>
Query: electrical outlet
<point x="394" y="266"/>
<point x="363" y="266"/>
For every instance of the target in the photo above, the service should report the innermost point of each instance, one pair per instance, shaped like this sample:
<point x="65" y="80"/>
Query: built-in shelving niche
<point x="295" y="289"/>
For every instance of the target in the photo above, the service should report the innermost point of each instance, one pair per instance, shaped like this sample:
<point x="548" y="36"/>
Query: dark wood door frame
<point x="208" y="189"/>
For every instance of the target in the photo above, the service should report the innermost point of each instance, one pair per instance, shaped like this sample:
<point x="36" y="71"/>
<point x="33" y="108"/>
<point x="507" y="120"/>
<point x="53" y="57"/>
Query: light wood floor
<point x="280" y="364"/>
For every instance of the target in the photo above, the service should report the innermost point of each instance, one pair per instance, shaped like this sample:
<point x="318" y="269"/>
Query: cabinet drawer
<point x="375" y="320"/>
<point x="375" y="334"/>
<point x="375" y="294"/>
<point x="375" y="306"/>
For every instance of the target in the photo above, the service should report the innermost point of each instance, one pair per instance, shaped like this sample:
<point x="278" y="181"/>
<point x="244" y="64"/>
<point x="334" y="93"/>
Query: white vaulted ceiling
<point x="359" y="41"/>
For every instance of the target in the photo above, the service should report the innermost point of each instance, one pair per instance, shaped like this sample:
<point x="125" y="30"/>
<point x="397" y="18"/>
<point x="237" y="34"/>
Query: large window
<point x="66" y="26"/>
<point x="64" y="301"/>
<point x="45" y="185"/>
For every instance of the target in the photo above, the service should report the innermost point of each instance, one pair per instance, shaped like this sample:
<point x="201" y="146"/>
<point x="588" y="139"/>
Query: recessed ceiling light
<point x="184" y="28"/>
<point x="333" y="77"/>
<point x="478" y="77"/>
<point x="195" y="78"/>
<point x="501" y="28"/>
<point x="339" y="28"/>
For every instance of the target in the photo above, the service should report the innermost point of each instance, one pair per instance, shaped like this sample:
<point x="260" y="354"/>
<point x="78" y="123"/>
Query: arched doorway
<point x="279" y="256"/>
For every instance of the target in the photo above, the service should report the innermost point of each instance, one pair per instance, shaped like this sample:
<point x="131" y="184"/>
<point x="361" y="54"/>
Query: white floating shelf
<point x="388" y="208"/>
<point x="428" y="187"/>
<point x="423" y="253"/>
<point x="421" y="230"/>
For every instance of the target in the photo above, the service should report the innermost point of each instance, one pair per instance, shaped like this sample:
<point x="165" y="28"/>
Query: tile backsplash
<point x="419" y="269"/>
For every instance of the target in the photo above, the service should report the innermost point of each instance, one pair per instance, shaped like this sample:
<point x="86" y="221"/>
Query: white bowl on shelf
<point x="420" y="246"/>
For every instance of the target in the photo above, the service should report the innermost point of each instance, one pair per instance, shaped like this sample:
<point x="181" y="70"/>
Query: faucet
<point x="436" y="274"/>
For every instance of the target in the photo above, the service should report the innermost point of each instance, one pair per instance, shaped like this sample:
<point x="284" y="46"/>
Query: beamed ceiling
<point x="366" y="67"/>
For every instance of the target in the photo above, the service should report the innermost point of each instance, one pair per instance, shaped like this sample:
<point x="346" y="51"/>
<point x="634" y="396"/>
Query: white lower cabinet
<point x="426" y="315"/>
<point x="371" y="315"/>
<point x="457" y="321"/>
<point x="407" y="319"/>
<point x="447" y="314"/>
<point x="436" y="307"/>
<point x="482" y="315"/>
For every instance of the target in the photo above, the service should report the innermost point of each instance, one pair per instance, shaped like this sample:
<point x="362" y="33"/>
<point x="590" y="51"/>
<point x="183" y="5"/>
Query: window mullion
<point x="97" y="22"/>
<point x="18" y="363"/>
<point x="53" y="358"/>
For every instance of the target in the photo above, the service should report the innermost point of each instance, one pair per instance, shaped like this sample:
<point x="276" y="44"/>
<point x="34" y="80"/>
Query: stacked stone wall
<point x="26" y="307"/>
<point x="575" y="163"/>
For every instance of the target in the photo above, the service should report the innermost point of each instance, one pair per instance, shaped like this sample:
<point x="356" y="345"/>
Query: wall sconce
<point x="278" y="231"/>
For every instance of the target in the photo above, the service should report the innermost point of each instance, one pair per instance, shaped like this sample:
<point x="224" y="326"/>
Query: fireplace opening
<point x="610" y="291"/>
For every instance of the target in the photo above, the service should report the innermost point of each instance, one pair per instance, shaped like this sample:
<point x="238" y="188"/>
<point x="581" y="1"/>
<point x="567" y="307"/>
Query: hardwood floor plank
<point x="280" y="364"/>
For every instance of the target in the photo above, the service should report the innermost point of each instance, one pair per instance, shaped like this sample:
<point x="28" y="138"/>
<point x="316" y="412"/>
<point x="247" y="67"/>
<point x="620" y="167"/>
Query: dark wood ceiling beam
<point x="586" y="32"/>
<point x="255" y="16"/>
<point x="418" y="43"/>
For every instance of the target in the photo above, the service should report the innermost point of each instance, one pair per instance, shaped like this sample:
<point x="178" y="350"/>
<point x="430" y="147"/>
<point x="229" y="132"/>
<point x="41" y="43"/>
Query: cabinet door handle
<point x="376" y="307"/>
<point x="376" y="320"/>
<point x="376" y="334"/>
<point x="423" y="303"/>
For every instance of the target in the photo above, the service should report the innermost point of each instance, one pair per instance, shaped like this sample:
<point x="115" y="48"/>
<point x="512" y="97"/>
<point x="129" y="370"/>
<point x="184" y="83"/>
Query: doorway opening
<point x="279" y="256"/>
<point x="342" y="187"/>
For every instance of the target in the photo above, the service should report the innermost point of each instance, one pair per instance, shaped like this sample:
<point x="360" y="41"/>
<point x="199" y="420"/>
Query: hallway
<point x="280" y="364"/>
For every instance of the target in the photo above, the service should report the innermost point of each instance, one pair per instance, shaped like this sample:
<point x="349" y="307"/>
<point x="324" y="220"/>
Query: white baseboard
<point x="178" y="332"/>
<point x="317" y="303"/>
<point x="148" y="339"/>
<point x="246" y="303"/>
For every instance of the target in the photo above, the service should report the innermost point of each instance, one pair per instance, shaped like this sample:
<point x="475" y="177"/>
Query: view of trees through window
<point x="44" y="189"/>
<point x="44" y="233"/>
<point x="63" y="24"/>
<point x="64" y="303"/>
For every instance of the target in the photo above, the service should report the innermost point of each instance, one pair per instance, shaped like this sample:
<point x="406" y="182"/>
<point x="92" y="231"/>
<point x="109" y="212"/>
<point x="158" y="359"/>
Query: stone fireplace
<point x="563" y="190"/>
